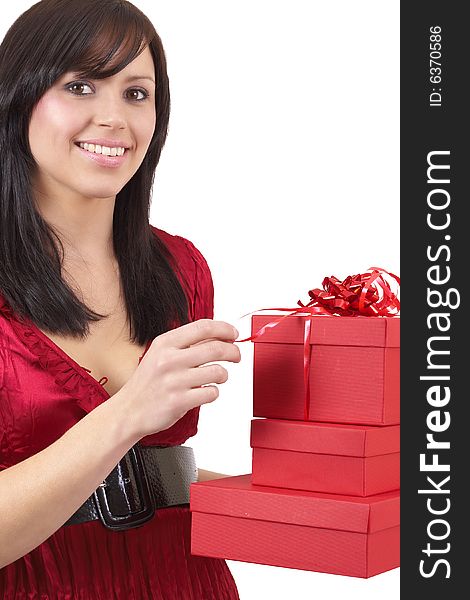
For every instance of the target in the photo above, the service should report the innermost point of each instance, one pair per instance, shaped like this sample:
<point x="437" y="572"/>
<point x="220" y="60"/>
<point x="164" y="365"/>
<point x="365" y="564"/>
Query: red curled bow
<point x="367" y="294"/>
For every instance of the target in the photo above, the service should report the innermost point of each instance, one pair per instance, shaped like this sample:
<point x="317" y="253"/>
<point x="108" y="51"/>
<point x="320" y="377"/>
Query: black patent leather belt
<point x="145" y="479"/>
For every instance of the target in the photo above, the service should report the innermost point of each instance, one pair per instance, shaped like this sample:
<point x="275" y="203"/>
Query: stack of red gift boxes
<point x="324" y="491"/>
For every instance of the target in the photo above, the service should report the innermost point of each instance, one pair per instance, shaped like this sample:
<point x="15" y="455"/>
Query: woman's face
<point x="76" y="110"/>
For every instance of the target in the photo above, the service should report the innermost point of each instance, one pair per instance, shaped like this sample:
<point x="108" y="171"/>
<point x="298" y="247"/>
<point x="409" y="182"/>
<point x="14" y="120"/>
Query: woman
<point x="105" y="321"/>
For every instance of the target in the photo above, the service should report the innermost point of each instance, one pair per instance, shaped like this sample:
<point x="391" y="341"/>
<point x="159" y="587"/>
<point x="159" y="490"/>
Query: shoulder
<point x="179" y="246"/>
<point x="186" y="255"/>
<point x="194" y="272"/>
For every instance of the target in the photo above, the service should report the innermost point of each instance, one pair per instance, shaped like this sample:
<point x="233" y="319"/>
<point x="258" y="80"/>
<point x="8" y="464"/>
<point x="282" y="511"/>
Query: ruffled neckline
<point x="68" y="374"/>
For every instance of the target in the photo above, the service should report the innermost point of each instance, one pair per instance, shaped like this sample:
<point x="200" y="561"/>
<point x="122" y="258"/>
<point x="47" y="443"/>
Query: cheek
<point x="53" y="116"/>
<point x="146" y="127"/>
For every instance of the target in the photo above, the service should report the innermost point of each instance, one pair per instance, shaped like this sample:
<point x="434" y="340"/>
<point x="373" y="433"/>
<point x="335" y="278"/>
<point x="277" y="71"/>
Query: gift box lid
<point x="325" y="438"/>
<point x="330" y="330"/>
<point x="238" y="497"/>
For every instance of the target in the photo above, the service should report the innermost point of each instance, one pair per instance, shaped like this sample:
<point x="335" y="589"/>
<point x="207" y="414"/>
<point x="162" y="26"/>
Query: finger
<point x="197" y="331"/>
<point x="199" y="376"/>
<point x="202" y="395"/>
<point x="210" y="340"/>
<point x="212" y="351"/>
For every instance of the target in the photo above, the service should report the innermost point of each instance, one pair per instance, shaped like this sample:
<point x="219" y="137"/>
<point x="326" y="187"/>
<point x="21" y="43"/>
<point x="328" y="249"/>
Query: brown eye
<point x="77" y="84"/>
<point x="139" y="91"/>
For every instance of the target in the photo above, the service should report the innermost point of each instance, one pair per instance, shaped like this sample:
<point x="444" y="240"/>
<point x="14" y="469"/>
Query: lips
<point x="102" y="159"/>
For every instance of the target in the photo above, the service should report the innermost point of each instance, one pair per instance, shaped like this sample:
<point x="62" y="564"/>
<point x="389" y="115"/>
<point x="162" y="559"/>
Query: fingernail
<point x="235" y="332"/>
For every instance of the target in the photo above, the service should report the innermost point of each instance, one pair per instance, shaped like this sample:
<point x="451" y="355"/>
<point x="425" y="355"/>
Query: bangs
<point x="107" y="43"/>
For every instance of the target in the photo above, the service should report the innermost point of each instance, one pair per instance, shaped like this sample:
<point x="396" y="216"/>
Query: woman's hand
<point x="173" y="376"/>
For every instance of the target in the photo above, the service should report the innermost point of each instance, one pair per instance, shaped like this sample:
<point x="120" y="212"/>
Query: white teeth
<point x="105" y="150"/>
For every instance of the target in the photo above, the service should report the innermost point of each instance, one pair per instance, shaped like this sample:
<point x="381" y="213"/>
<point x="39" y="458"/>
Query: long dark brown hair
<point x="97" y="39"/>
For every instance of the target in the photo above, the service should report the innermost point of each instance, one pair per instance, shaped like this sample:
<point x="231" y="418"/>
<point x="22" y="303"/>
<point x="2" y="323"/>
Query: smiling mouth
<point x="102" y="150"/>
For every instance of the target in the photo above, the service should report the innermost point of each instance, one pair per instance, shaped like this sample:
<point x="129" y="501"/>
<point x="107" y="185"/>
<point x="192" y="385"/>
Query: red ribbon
<point x="367" y="294"/>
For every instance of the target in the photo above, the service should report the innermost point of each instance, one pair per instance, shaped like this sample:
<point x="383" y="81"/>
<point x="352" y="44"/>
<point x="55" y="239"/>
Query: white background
<point x="282" y="167"/>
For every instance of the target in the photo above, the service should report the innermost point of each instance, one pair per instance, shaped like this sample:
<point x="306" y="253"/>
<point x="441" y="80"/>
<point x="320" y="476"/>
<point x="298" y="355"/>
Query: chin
<point x="101" y="192"/>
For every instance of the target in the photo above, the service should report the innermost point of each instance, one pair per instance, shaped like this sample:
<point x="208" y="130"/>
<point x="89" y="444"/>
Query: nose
<point x="110" y="110"/>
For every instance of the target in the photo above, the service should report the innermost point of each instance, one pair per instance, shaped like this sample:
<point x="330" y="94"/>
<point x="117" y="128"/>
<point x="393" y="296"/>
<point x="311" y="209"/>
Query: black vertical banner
<point x="435" y="232"/>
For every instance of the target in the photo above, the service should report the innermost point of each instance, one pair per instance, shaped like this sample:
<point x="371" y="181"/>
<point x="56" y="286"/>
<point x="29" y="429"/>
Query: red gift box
<point x="354" y="374"/>
<point x="321" y="457"/>
<point x="345" y="535"/>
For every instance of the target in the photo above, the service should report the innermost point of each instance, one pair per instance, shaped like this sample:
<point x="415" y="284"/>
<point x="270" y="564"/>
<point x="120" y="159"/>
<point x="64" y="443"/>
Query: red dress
<point x="44" y="392"/>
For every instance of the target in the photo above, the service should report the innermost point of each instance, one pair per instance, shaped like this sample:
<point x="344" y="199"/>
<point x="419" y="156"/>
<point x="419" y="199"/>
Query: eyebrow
<point x="134" y="77"/>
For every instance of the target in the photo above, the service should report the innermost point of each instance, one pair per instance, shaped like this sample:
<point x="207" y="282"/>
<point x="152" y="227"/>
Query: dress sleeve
<point x="1" y="365"/>
<point x="3" y="403"/>
<point x="202" y="302"/>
